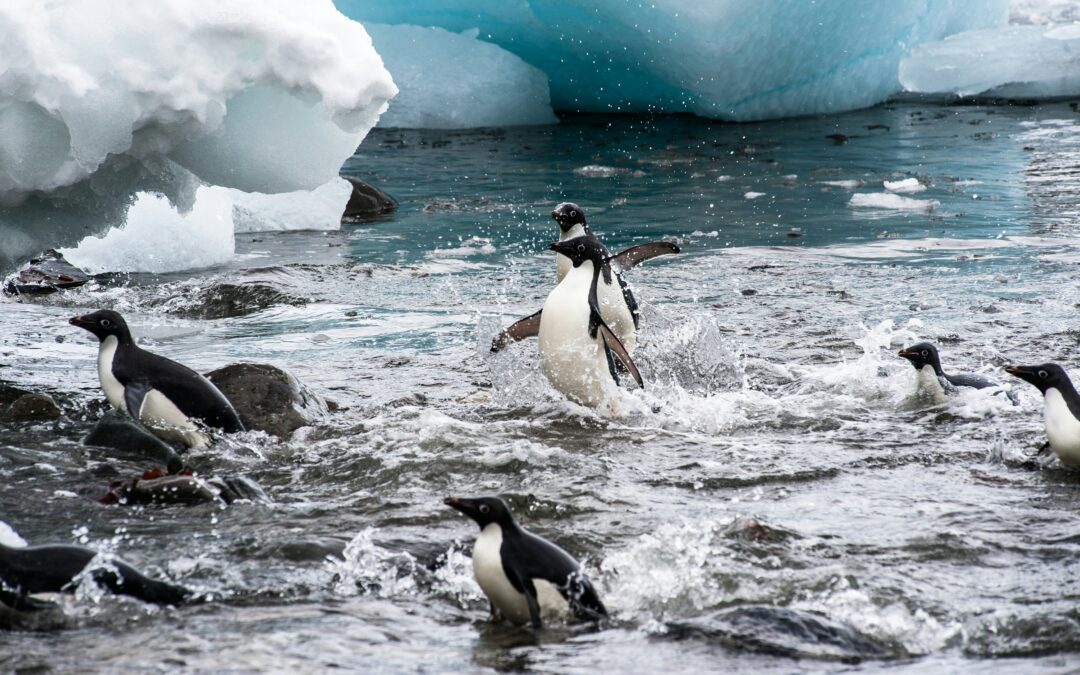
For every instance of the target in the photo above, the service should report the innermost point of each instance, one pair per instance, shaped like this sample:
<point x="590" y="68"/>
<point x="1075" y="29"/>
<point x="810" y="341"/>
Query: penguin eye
<point x="573" y="214"/>
<point x="105" y="323"/>
<point x="1043" y="374"/>
<point x="581" y="248"/>
<point x="925" y="353"/>
<point x="484" y="508"/>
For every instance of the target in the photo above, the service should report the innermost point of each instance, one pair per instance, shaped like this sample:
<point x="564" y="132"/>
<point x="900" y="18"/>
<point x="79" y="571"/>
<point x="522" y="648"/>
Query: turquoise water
<point x="776" y="458"/>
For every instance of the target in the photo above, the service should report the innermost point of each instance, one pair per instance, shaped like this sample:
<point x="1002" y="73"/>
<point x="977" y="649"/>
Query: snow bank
<point x="738" y="59"/>
<point x="455" y="81"/>
<point x="100" y="100"/>
<point x="1018" y="62"/>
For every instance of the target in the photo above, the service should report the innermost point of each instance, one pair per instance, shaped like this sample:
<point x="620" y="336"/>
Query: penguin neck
<point x="503" y="529"/>
<point x="121" y="341"/>
<point x="575" y="231"/>
<point x="1067" y="392"/>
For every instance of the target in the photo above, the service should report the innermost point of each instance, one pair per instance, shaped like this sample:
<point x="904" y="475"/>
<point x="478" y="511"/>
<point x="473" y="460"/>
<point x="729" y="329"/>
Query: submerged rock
<point x="155" y="488"/>
<point x="48" y="273"/>
<point x="19" y="612"/>
<point x="118" y="431"/>
<point x="31" y="407"/>
<point x="267" y="398"/>
<point x="227" y="301"/>
<point x="366" y="202"/>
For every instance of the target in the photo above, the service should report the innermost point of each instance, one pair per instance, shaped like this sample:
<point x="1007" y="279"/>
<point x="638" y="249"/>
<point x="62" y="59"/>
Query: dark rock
<point x="24" y="613"/>
<point x="48" y="273"/>
<point x="32" y="408"/>
<point x="366" y="202"/>
<point x="227" y="301"/>
<point x="267" y="398"/>
<point x="154" y="488"/>
<point x="9" y="394"/>
<point x="118" y="431"/>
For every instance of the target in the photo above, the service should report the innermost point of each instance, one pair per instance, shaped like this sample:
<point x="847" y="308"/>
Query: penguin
<point x="54" y="568"/>
<point x="578" y="349"/>
<point x="617" y="303"/>
<point x="936" y="382"/>
<point x="526" y="578"/>
<point x="1061" y="408"/>
<point x="171" y="399"/>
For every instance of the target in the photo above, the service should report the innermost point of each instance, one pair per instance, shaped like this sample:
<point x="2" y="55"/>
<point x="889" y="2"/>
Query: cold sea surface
<point x="777" y="499"/>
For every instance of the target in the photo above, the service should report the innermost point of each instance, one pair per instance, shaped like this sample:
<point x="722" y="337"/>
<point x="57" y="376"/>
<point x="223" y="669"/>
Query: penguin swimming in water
<point x="1061" y="408"/>
<point x="527" y="578"/>
<point x="618" y="306"/>
<point x="169" y="398"/>
<point x="578" y="349"/>
<point x="54" y="568"/>
<point x="934" y="381"/>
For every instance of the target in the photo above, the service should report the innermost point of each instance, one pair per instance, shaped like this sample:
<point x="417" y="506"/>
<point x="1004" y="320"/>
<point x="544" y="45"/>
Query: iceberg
<point x="733" y="59"/>
<point x="456" y="81"/>
<point x="104" y="105"/>
<point x="1016" y="62"/>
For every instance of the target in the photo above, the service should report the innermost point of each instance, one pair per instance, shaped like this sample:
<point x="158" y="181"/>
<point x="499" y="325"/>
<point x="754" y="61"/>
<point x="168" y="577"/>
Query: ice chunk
<point x="906" y="186"/>
<point x="158" y="238"/>
<point x="318" y="209"/>
<point x="1016" y="62"/>
<point x="1041" y="12"/>
<point x="738" y="59"/>
<point x="851" y="184"/>
<point x="9" y="537"/>
<point x="887" y="200"/>
<point x="100" y="100"/>
<point x="454" y="81"/>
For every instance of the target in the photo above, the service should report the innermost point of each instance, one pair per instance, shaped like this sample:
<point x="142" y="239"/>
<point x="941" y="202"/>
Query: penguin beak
<point x="1016" y="370"/>
<point x="907" y="354"/>
<point x="561" y="247"/>
<point x="466" y="506"/>
<point x="80" y="321"/>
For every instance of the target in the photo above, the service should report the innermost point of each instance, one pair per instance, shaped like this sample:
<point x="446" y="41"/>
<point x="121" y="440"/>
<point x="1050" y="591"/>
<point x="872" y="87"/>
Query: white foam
<point x="455" y="80"/>
<point x="9" y="537"/>
<point x="905" y="186"/>
<point x="894" y="202"/>
<point x="846" y="184"/>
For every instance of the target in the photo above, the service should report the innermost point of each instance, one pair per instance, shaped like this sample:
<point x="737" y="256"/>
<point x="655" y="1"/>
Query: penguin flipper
<point x="534" y="604"/>
<point x="134" y="396"/>
<point x="519" y="330"/>
<point x="616" y="346"/>
<point x="638" y="254"/>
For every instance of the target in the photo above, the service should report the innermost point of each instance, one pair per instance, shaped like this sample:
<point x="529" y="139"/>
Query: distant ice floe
<point x="1017" y="62"/>
<point x="104" y="104"/>
<point x="455" y="81"/>
<point x="737" y="60"/>
<point x="894" y="202"/>
<point x="905" y="186"/>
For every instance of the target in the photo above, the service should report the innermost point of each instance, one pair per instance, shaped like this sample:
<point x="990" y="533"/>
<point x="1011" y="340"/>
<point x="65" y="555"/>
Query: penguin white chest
<point x="512" y="604"/>
<point x="574" y="362"/>
<point x="929" y="384"/>
<point x="563" y="265"/>
<point x="1062" y="429"/>
<point x="114" y="391"/>
<point x="614" y="312"/>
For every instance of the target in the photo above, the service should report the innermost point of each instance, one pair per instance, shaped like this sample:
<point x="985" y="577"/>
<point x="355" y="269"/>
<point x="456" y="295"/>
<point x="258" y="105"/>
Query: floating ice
<point x="1022" y="62"/>
<point x="738" y="59"/>
<point x="454" y="81"/>
<point x="887" y="200"/>
<point x="100" y="100"/>
<point x="9" y="537"/>
<point x="905" y="186"/>
<point x="318" y="209"/>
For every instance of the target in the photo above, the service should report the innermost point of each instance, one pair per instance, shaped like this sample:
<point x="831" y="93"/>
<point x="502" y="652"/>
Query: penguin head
<point x="922" y="354"/>
<point x="484" y="510"/>
<point x="1047" y="376"/>
<point x="580" y="249"/>
<point x="568" y="215"/>
<point x="102" y="324"/>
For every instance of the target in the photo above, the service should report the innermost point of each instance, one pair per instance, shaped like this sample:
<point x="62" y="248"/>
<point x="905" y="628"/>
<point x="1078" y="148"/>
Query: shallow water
<point x="776" y="462"/>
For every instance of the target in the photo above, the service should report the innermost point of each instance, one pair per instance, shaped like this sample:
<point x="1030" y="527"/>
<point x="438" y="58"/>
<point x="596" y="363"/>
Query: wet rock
<point x="117" y="431"/>
<point x="32" y="407"/>
<point x="782" y="631"/>
<point x="267" y="398"/>
<point x="9" y="393"/>
<point x="227" y="301"/>
<point x="156" y="488"/>
<point x="366" y="202"/>
<point x="48" y="273"/>
<point x="19" y="612"/>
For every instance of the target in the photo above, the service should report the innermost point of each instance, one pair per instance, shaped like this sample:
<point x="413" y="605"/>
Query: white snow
<point x="319" y="209"/>
<point x="906" y="186"/>
<point x="9" y="537"/>
<point x="1020" y="62"/>
<point x="455" y="80"/>
<point x="894" y="202"/>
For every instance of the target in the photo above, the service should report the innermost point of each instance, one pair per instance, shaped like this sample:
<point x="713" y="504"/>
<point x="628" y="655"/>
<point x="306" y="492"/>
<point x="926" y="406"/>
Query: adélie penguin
<point x="172" y="400"/>
<point x="578" y="349"/>
<point x="527" y="578"/>
<point x="933" y="380"/>
<point x="617" y="303"/>
<point x="1061" y="408"/>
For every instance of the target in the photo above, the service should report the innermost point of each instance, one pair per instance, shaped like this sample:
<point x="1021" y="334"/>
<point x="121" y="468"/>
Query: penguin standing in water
<point x="1061" y="408"/>
<point x="617" y="304"/>
<point x="172" y="400"/>
<point x="934" y="381"/>
<point x="578" y="349"/>
<point x="527" y="578"/>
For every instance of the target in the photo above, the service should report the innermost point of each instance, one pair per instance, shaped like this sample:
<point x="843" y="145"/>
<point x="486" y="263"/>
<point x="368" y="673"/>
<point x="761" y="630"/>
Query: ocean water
<point x="777" y="499"/>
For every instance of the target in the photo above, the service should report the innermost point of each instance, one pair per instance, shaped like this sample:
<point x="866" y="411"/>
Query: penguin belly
<point x="114" y="391"/>
<point x="929" y="385"/>
<point x="575" y="363"/>
<point x="1062" y="429"/>
<point x="512" y="604"/>
<point x="167" y="421"/>
<point x="614" y="312"/>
